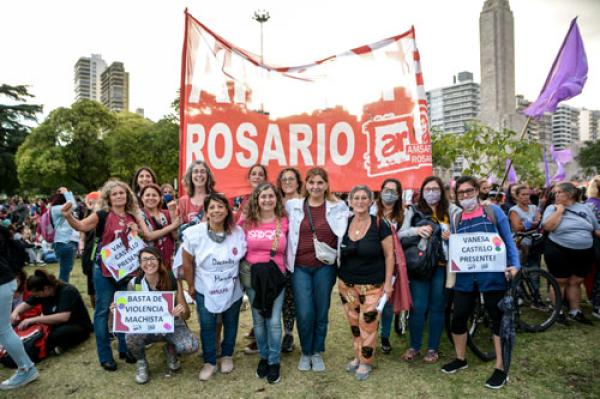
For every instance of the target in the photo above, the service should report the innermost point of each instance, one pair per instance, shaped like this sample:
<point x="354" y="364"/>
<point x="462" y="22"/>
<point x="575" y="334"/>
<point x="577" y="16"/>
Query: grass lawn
<point x="561" y="362"/>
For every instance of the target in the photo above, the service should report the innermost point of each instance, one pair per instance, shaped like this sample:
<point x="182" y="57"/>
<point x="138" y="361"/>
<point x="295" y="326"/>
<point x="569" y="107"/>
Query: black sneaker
<point x="562" y="320"/>
<point x="497" y="380"/>
<point x="129" y="358"/>
<point x="386" y="347"/>
<point x="263" y="368"/>
<point x="273" y="377"/>
<point x="454" y="366"/>
<point x="287" y="345"/>
<point x="580" y="318"/>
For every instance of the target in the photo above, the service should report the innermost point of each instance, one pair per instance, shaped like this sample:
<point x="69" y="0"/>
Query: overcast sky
<point x="40" y="41"/>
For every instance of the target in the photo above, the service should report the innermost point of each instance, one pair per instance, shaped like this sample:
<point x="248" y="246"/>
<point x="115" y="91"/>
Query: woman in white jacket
<point x="320" y="215"/>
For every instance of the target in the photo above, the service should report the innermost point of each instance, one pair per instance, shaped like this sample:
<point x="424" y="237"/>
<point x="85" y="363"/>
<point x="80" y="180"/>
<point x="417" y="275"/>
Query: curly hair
<point x="131" y="206"/>
<point x="189" y="184"/>
<point x="252" y="210"/>
<point x="298" y="179"/>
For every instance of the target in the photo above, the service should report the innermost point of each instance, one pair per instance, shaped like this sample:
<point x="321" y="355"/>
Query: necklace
<point x="216" y="237"/>
<point x="358" y="227"/>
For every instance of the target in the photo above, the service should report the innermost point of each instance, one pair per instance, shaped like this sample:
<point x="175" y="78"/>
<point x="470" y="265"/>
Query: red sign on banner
<point x="362" y="114"/>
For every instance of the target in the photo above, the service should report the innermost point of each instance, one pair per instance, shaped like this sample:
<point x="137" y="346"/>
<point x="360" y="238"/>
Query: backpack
<point x="34" y="339"/>
<point x="47" y="226"/>
<point x="422" y="263"/>
<point x="489" y="213"/>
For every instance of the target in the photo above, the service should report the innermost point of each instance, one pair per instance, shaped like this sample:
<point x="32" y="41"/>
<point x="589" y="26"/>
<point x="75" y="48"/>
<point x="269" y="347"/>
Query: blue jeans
<point x="387" y="316"/>
<point x="8" y="339"/>
<point x="208" y="326"/>
<point x="429" y="300"/>
<point x="312" y="296"/>
<point x="105" y="292"/>
<point x="65" y="254"/>
<point x="268" y="331"/>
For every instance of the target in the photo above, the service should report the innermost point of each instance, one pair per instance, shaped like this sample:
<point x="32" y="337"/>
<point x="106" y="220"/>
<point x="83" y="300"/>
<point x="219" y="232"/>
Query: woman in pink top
<point x="266" y="226"/>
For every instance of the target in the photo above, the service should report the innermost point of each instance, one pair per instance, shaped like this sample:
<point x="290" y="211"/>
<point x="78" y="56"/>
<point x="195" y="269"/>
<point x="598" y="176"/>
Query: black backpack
<point x="421" y="264"/>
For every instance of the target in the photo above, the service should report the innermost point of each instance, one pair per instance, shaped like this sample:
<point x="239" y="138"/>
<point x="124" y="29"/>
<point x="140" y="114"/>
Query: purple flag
<point x="567" y="76"/>
<point x="512" y="175"/>
<point x="547" y="170"/>
<point x="561" y="158"/>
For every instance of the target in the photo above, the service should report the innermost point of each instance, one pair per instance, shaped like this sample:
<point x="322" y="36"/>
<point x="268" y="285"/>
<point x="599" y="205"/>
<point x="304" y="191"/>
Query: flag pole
<point x="510" y="159"/>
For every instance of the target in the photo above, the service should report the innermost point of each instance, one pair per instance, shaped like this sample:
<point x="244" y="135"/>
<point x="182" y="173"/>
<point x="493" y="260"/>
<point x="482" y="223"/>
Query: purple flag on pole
<point x="567" y="76"/>
<point x="512" y="175"/>
<point x="561" y="158"/>
<point x="547" y="170"/>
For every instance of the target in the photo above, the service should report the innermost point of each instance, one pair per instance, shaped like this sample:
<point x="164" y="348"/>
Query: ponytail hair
<point x="42" y="279"/>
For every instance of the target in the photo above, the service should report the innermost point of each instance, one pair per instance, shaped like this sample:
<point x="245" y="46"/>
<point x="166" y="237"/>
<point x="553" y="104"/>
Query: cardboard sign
<point x="145" y="312"/>
<point x="477" y="252"/>
<point x="121" y="259"/>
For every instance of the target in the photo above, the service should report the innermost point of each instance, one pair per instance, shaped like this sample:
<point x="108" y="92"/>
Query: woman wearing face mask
<point x="168" y="194"/>
<point x="313" y="279"/>
<point x="390" y="211"/>
<point x="428" y="296"/>
<point x="289" y="186"/>
<point x="365" y="274"/>
<point x="492" y="285"/>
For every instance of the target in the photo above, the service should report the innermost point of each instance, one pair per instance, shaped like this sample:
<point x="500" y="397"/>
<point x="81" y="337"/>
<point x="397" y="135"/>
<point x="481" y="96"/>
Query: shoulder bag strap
<point x="275" y="244"/>
<point x="310" y="220"/>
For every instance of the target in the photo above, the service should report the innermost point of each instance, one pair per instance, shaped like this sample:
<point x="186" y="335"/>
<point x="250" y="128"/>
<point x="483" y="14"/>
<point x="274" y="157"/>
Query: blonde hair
<point x="593" y="189"/>
<point x="131" y="206"/>
<point x="252" y="210"/>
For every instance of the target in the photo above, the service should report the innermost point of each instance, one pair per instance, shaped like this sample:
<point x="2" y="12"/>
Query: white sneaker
<point x="141" y="372"/>
<point x="304" y="363"/>
<point x="317" y="362"/>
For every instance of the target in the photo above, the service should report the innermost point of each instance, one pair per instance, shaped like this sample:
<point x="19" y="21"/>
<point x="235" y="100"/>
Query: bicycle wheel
<point x="537" y="305"/>
<point x="401" y="323"/>
<point x="480" y="339"/>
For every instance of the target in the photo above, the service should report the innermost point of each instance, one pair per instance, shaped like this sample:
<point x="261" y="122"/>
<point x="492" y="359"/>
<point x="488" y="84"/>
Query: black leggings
<point x="67" y="336"/>
<point x="464" y="305"/>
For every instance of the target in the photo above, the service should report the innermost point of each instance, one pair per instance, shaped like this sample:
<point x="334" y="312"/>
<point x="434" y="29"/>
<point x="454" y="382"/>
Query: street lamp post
<point x="261" y="16"/>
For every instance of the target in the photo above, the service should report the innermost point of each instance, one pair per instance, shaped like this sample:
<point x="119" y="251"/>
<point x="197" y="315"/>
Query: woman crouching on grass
<point x="365" y="273"/>
<point x="156" y="277"/>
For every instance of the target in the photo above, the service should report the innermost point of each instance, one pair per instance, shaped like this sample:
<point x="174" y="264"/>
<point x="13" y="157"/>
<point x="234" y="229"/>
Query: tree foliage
<point x="485" y="152"/>
<point x="13" y="131"/>
<point x="84" y="145"/>
<point x="589" y="157"/>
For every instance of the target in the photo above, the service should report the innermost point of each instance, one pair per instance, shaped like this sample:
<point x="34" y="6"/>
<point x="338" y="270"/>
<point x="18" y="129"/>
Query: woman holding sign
<point x="318" y="222"/>
<point x="212" y="252"/>
<point x="474" y="218"/>
<point x="156" y="277"/>
<point x="117" y="221"/>
<point x="366" y="269"/>
<point x="263" y="273"/>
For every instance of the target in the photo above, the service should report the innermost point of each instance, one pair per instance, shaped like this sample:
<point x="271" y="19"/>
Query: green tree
<point x="66" y="149"/>
<point x="485" y="152"/>
<point x="13" y="131"/>
<point x="589" y="157"/>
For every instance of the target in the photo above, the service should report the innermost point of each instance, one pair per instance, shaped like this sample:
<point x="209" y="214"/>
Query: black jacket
<point x="267" y="282"/>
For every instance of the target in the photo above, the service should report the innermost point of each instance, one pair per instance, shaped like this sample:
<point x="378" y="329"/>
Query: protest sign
<point x="477" y="252"/>
<point x="360" y="114"/>
<point x="121" y="256"/>
<point x="144" y="312"/>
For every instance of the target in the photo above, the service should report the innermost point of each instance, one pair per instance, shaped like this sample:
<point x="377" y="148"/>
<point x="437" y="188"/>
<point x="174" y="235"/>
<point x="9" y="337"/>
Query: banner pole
<point x="510" y="159"/>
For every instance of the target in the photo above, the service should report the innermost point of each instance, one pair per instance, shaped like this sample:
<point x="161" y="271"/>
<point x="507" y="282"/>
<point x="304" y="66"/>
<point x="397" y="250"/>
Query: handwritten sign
<point x="119" y="259"/>
<point x="147" y="312"/>
<point x="477" y="252"/>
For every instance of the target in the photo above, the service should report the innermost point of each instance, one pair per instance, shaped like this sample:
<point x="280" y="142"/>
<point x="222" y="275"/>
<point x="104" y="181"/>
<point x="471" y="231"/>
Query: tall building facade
<point x="87" y="81"/>
<point x="115" y="87"/>
<point x="565" y="126"/>
<point x="497" y="63"/>
<point x="451" y="108"/>
<point x="589" y="125"/>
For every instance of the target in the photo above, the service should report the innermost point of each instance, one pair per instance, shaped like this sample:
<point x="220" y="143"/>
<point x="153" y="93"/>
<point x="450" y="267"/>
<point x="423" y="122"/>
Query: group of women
<point x="286" y="246"/>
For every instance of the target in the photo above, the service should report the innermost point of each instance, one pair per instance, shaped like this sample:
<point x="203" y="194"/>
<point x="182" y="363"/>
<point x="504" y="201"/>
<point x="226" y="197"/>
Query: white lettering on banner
<point x="270" y="152"/>
<point x="247" y="144"/>
<point x="301" y="139"/>
<point x="220" y="129"/>
<point x="477" y="252"/>
<point x="302" y="146"/>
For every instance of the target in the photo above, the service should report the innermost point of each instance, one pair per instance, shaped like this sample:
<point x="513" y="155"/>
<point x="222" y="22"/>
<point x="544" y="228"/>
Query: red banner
<point x="362" y="114"/>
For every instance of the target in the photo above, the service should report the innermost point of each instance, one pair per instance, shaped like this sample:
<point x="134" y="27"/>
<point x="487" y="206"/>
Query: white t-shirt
<point x="212" y="256"/>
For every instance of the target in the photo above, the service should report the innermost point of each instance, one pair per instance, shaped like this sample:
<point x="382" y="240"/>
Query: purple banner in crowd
<point x="561" y="158"/>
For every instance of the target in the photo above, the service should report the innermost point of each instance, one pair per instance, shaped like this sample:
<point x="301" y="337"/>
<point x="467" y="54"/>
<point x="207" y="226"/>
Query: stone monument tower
<point x="497" y="62"/>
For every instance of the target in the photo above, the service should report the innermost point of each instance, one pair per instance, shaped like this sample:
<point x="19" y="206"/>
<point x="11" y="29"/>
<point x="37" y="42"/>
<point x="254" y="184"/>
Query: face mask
<point x="432" y="197"/>
<point x="389" y="197"/>
<point x="167" y="198"/>
<point x="468" y="204"/>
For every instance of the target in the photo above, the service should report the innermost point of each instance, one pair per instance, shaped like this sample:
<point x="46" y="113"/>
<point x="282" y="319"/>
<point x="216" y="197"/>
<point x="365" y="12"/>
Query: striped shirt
<point x="305" y="255"/>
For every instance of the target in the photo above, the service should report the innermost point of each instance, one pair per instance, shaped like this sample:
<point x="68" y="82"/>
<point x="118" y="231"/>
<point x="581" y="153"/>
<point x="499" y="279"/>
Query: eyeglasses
<point x="389" y="190"/>
<point x="465" y="193"/>
<point x="200" y="172"/>
<point x="148" y="259"/>
<point x="432" y="190"/>
<point x="288" y="179"/>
